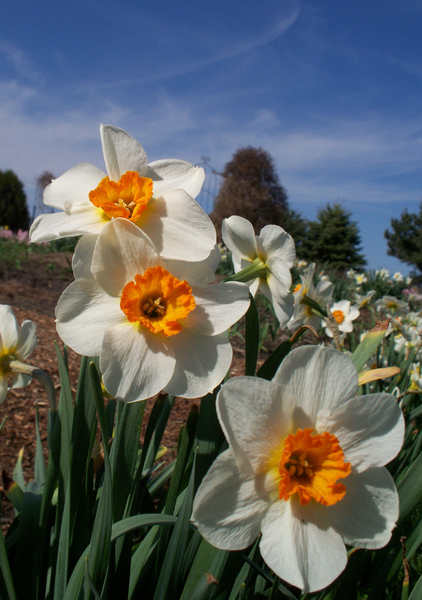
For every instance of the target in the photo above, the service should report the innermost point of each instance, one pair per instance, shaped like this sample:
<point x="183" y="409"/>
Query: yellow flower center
<point x="126" y="198"/>
<point x="158" y="301"/>
<point x="338" y="316"/>
<point x="310" y="466"/>
<point x="297" y="288"/>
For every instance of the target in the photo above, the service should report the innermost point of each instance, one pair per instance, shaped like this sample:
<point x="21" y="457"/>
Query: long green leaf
<point x="98" y="560"/>
<point x="368" y="346"/>
<point x="5" y="569"/>
<point x="121" y="528"/>
<point x="410" y="491"/>
<point x="172" y="565"/>
<point x="251" y="338"/>
<point x="270" y="366"/>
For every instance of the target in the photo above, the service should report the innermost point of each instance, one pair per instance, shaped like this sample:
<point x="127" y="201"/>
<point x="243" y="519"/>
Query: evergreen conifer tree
<point x="13" y="207"/>
<point x="251" y="189"/>
<point x="334" y="239"/>
<point x="405" y="238"/>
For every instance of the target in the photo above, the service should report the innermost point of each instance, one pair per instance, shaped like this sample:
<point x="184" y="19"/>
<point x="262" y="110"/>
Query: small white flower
<point x="364" y="300"/>
<point x="383" y="273"/>
<point x="343" y="312"/>
<point x="301" y="264"/>
<point x="304" y="467"/>
<point x="16" y="343"/>
<point x="156" y="324"/>
<point x="398" y="277"/>
<point x="158" y="197"/>
<point x="320" y="293"/>
<point x="391" y="305"/>
<point x="273" y="253"/>
<point x="360" y="278"/>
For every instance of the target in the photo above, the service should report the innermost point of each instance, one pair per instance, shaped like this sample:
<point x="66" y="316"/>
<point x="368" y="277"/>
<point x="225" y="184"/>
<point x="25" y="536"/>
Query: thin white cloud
<point x="234" y="49"/>
<point x="20" y="62"/>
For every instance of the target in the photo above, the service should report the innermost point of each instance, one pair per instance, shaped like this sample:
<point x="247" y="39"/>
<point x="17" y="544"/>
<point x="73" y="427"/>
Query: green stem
<point x="255" y="269"/>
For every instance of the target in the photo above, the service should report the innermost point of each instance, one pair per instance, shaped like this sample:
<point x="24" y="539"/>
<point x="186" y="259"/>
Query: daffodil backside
<point x="304" y="467"/>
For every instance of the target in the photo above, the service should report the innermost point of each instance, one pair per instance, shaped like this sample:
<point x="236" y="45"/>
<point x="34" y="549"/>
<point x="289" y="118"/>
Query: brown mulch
<point x="33" y="291"/>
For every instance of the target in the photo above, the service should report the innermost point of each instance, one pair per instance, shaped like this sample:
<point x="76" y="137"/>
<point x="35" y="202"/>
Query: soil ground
<point x="33" y="290"/>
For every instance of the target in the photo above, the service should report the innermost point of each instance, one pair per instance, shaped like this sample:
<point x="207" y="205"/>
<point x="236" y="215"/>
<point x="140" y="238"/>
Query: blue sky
<point x="333" y="90"/>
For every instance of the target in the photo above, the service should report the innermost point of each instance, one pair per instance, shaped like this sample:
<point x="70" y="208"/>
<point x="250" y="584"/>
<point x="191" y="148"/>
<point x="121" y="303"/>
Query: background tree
<point x="334" y="239"/>
<point x="13" y="208"/>
<point x="42" y="182"/>
<point x="251" y="189"/>
<point x="404" y="241"/>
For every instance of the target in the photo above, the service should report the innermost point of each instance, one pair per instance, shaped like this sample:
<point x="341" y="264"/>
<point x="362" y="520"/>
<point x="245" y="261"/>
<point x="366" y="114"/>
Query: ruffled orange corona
<point x="338" y="316"/>
<point x="311" y="465"/>
<point x="126" y="198"/>
<point x="158" y="301"/>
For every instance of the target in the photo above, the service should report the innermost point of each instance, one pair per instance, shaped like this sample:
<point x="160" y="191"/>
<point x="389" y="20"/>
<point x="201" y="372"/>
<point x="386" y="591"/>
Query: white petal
<point x="170" y="173"/>
<point x="27" y="339"/>
<point x="227" y="509"/>
<point x="201" y="363"/>
<point x="73" y="187"/>
<point x="280" y="297"/>
<point x="370" y="429"/>
<point x="368" y="512"/>
<point x="122" y="251"/>
<point x="134" y="362"/>
<point x="83" y="313"/>
<point x="82" y="256"/>
<point x="319" y="378"/>
<point x="276" y="243"/>
<point x="253" y="420"/>
<point x="121" y="152"/>
<point x="218" y="306"/>
<point x="197" y="273"/>
<point x="52" y="226"/>
<point x="343" y="305"/>
<point x="9" y="329"/>
<point x="354" y="312"/>
<point x="239" y="237"/>
<point x="179" y="227"/>
<point x="299" y="549"/>
<point x="21" y="380"/>
<point x="3" y="388"/>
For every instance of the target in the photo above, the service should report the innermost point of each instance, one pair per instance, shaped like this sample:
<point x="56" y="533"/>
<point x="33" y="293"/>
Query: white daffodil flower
<point x="343" y="312"/>
<point x="16" y="344"/>
<point x="157" y="325"/>
<point x="303" y="314"/>
<point x="391" y="305"/>
<point x="266" y="260"/>
<point x="304" y="467"/>
<point x="158" y="197"/>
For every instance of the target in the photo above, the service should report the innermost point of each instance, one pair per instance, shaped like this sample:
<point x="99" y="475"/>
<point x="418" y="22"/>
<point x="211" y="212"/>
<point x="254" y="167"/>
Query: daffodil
<point x="304" y="467"/>
<point x="16" y="344"/>
<point x="303" y="311"/>
<point x="265" y="260"/>
<point x="343" y="313"/>
<point x="156" y="324"/>
<point x="158" y="197"/>
<point x="391" y="305"/>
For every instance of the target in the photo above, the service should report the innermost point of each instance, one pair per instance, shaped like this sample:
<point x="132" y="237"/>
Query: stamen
<point x="338" y="316"/>
<point x="311" y="465"/>
<point x="157" y="301"/>
<point x="126" y="198"/>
